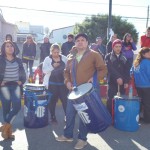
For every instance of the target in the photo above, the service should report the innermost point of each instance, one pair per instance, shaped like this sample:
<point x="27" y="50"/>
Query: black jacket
<point x="29" y="50"/>
<point x="117" y="68"/>
<point x="45" y="51"/>
<point x="66" y="47"/>
<point x="22" y="74"/>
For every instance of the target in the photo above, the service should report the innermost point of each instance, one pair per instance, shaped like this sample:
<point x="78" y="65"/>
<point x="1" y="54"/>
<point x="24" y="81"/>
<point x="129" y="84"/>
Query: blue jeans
<point x="29" y="64"/>
<point x="11" y="101"/>
<point x="70" y="122"/>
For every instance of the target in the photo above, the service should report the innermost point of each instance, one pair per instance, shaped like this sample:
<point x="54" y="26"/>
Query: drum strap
<point x="74" y="74"/>
<point x="95" y="79"/>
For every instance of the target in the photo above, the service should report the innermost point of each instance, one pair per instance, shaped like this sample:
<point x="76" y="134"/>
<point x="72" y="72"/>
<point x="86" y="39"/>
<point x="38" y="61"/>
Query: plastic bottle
<point x="37" y="79"/>
<point x="130" y="91"/>
<point x="30" y="79"/>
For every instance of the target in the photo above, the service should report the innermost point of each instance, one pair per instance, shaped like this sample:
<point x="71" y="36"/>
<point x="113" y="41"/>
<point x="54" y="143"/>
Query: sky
<point x="62" y="13"/>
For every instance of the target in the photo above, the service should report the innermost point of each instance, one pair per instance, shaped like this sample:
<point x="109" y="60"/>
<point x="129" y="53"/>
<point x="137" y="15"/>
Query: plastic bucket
<point x="126" y="113"/>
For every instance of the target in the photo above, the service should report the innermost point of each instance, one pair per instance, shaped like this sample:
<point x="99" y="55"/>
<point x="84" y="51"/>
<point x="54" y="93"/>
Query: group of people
<point x="119" y="62"/>
<point x="13" y="76"/>
<point x="57" y="67"/>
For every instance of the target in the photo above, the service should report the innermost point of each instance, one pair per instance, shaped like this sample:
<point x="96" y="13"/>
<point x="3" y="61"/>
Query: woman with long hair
<point x="53" y="68"/>
<point x="12" y="77"/>
<point x="128" y="46"/>
<point x="29" y="52"/>
<point x="141" y="70"/>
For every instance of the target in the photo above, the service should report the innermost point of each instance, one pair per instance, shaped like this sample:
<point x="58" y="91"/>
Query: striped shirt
<point x="11" y="71"/>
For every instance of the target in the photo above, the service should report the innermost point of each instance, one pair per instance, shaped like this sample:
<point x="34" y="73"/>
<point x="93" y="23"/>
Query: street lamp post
<point x="109" y="19"/>
<point x="147" y="16"/>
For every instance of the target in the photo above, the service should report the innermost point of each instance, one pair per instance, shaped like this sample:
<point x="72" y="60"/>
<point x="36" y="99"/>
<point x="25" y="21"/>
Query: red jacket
<point x="145" y="41"/>
<point x="40" y="73"/>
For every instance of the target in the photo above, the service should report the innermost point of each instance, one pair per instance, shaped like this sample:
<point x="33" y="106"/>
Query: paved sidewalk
<point x="44" y="138"/>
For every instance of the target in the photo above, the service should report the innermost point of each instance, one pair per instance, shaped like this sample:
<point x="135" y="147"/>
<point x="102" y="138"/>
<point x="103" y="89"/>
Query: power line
<point x="45" y="10"/>
<point x="68" y="13"/>
<point x="101" y="3"/>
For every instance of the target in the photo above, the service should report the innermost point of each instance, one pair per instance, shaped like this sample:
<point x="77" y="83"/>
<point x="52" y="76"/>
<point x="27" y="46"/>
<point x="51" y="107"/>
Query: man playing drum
<point x="87" y="62"/>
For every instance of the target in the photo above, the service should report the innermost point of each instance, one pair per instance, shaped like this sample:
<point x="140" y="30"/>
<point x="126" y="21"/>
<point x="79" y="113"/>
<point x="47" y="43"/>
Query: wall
<point x="60" y="35"/>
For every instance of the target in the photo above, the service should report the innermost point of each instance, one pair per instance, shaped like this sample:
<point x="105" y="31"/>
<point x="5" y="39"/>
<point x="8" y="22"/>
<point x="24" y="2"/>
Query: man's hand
<point x="69" y="86"/>
<point x="119" y="81"/>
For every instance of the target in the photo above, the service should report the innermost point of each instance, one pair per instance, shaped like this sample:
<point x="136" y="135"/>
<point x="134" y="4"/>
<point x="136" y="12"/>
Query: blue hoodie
<point x="142" y="74"/>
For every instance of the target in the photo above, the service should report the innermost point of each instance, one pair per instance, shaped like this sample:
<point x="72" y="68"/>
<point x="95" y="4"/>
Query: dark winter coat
<point x="66" y="47"/>
<point x="45" y="51"/>
<point x="117" y="68"/>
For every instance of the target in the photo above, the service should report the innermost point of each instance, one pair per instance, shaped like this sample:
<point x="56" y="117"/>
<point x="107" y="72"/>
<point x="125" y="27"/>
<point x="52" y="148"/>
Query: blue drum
<point x="35" y="106"/>
<point x="126" y="113"/>
<point x="90" y="108"/>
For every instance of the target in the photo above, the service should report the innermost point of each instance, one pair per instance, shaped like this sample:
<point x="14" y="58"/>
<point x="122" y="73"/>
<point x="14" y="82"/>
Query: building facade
<point x="60" y="35"/>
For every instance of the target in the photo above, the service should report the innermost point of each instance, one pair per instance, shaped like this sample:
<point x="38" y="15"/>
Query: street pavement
<point x="44" y="138"/>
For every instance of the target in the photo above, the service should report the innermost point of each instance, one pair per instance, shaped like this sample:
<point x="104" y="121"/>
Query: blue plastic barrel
<point x="126" y="113"/>
<point x="36" y="106"/>
<point x="90" y="108"/>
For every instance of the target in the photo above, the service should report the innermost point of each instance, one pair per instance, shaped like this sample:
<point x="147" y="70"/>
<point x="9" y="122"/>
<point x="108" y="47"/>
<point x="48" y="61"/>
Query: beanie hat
<point x="117" y="41"/>
<point x="81" y="35"/>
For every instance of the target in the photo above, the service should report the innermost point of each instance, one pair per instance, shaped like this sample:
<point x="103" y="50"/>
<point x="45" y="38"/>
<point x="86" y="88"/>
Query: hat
<point x="81" y="35"/>
<point x="117" y="41"/>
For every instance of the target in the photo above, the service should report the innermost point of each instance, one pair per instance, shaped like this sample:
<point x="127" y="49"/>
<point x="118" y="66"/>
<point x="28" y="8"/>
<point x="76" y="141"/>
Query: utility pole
<point x="147" y="16"/>
<point x="109" y="19"/>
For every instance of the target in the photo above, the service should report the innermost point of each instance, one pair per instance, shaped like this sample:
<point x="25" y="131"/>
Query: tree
<point x="97" y="26"/>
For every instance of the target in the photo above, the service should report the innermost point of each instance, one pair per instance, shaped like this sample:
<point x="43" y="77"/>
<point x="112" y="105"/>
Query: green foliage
<point x="97" y="25"/>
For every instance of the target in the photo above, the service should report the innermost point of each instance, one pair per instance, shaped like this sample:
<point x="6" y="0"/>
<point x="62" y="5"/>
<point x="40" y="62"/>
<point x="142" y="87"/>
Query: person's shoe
<point x="62" y="138"/>
<point x="10" y="135"/>
<point x="80" y="144"/>
<point x="4" y="129"/>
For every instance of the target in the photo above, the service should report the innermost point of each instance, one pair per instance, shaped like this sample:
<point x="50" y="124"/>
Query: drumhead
<point x="126" y="97"/>
<point x="81" y="90"/>
<point x="32" y="86"/>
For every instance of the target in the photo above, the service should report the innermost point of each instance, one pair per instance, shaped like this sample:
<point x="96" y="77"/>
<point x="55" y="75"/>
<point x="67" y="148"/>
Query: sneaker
<point x="62" y="138"/>
<point x="80" y="144"/>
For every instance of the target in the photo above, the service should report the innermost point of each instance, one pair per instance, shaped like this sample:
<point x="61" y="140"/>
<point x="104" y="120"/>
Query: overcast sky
<point x="61" y="13"/>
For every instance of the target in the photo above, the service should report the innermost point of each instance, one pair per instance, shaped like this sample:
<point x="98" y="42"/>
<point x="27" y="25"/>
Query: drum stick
<point x="118" y="93"/>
